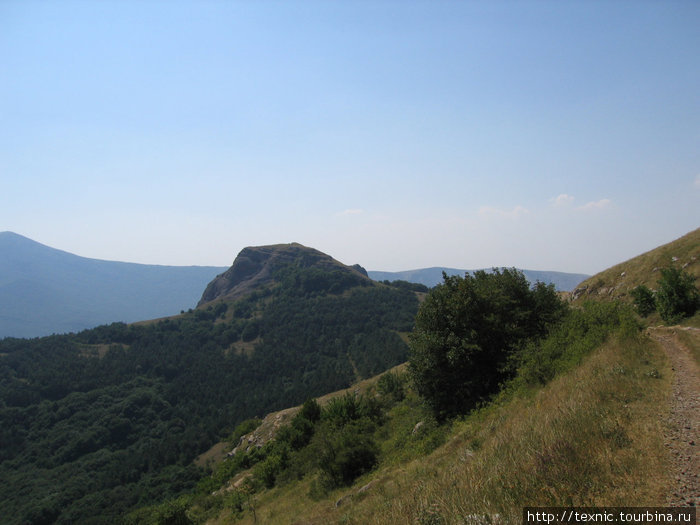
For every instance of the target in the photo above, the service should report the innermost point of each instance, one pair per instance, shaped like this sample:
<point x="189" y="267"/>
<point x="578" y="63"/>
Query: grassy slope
<point x="591" y="437"/>
<point x="274" y="420"/>
<point x="617" y="281"/>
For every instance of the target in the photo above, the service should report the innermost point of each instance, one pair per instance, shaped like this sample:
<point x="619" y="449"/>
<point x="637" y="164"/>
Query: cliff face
<point x="255" y="267"/>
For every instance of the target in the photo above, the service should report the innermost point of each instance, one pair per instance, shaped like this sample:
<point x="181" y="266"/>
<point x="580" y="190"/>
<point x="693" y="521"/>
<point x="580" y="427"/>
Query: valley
<point x="349" y="263"/>
<point x="571" y="404"/>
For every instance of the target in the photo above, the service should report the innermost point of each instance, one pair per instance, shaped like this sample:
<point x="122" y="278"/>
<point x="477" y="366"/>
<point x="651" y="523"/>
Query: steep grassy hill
<point x="95" y="423"/>
<point x="617" y="282"/>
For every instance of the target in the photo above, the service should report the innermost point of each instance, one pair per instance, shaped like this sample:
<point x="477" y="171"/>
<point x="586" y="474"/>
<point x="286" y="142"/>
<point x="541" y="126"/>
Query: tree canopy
<point x="467" y="330"/>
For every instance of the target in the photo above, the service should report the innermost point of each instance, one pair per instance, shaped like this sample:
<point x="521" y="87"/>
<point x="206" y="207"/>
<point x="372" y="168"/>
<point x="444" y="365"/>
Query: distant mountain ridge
<point x="44" y="290"/>
<point x="563" y="282"/>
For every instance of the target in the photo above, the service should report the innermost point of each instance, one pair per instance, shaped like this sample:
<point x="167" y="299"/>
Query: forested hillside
<point x="95" y="423"/>
<point x="510" y="399"/>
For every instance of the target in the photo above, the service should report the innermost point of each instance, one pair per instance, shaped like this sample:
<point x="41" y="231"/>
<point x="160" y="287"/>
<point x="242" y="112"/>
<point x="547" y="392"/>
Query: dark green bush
<point x="267" y="470"/>
<point x="643" y="299"/>
<point x="251" y="331"/>
<point x="310" y="410"/>
<point x="345" y="409"/>
<point x="677" y="296"/>
<point x="346" y="454"/>
<point x="391" y="386"/>
<point x="297" y="434"/>
<point x="174" y="512"/>
<point x="171" y="512"/>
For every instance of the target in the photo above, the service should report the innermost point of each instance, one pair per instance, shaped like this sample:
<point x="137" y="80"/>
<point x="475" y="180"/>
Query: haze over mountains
<point x="563" y="282"/>
<point x="44" y="290"/>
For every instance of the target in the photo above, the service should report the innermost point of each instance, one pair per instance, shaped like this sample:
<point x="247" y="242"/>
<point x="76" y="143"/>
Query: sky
<point x="394" y="134"/>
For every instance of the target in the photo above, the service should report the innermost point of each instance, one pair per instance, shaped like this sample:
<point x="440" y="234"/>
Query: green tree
<point x="644" y="301"/>
<point x="174" y="512"/>
<point x="311" y="410"/>
<point x="346" y="453"/>
<point x="467" y="331"/>
<point x="677" y="296"/>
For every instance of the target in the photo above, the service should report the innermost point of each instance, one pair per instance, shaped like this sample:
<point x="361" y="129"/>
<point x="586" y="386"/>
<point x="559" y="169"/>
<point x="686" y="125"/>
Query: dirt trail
<point x="682" y="435"/>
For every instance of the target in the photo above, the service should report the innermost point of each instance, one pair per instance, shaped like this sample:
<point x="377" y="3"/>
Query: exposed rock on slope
<point x="266" y="431"/>
<point x="256" y="267"/>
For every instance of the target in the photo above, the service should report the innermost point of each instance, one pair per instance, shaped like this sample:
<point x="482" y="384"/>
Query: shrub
<point x="311" y="410"/>
<point x="644" y="301"/>
<point x="390" y="385"/>
<point x="174" y="512"/>
<point x="267" y="470"/>
<point x="677" y="296"/>
<point x="574" y="338"/>
<point x="346" y="454"/>
<point x="343" y="410"/>
<point x="297" y="434"/>
<point x="251" y="331"/>
<point x="170" y="512"/>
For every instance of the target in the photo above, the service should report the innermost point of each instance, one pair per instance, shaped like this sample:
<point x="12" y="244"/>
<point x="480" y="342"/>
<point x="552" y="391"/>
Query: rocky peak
<point x="255" y="267"/>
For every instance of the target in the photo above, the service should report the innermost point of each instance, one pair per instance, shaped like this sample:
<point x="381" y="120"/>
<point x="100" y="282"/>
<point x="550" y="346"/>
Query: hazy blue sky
<point x="398" y="135"/>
